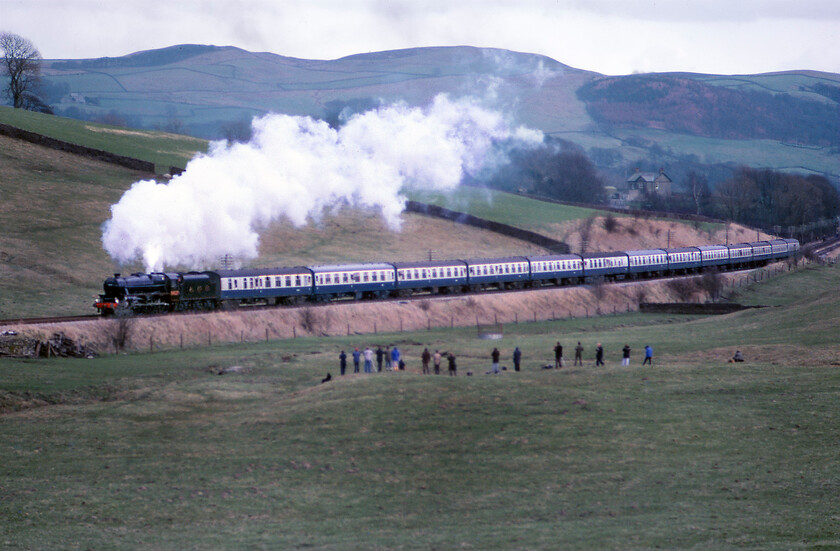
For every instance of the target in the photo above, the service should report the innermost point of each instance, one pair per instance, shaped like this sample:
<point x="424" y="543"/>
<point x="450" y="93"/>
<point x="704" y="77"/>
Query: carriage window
<point x="365" y="276"/>
<point x="449" y="272"/>
<point x="374" y="276"/>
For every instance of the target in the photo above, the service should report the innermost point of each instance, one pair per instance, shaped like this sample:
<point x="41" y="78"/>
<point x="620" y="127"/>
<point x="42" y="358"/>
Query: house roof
<point x="647" y="176"/>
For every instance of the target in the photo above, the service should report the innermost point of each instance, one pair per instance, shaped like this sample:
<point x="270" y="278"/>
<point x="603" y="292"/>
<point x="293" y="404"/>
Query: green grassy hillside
<point x="694" y="452"/>
<point x="161" y="148"/>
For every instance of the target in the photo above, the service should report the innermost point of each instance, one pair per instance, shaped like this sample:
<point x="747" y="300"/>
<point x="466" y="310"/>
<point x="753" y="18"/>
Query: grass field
<point x="161" y="148"/>
<point x="159" y="451"/>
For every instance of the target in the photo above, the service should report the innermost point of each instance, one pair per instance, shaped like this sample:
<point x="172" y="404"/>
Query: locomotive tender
<point x="162" y="292"/>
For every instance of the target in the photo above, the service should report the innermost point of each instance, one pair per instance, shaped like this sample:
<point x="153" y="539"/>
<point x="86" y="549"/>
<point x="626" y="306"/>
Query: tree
<point x="698" y="189"/>
<point x="22" y="64"/>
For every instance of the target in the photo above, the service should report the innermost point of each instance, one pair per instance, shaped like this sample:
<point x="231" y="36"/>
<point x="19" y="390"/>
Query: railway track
<point x="57" y="319"/>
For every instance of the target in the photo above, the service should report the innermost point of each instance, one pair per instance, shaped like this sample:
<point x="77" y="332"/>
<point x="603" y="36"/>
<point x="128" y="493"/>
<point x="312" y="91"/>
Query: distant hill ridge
<point x="678" y="121"/>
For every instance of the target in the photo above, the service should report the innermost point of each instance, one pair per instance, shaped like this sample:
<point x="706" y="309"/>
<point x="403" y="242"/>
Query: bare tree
<point x="22" y="64"/>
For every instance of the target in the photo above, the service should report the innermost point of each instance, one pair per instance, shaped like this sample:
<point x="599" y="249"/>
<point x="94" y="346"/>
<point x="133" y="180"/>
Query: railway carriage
<point x="740" y="255"/>
<point x="609" y="266"/>
<point x="500" y="273"/>
<point x="778" y="249"/>
<point x="683" y="260"/>
<point x="713" y="255"/>
<point x="358" y="281"/>
<point x="264" y="285"/>
<point x="556" y="269"/>
<point x="446" y="276"/>
<point x="793" y="246"/>
<point x="647" y="262"/>
<point x="762" y="252"/>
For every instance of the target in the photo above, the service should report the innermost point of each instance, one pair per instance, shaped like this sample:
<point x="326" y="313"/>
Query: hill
<point x="784" y="121"/>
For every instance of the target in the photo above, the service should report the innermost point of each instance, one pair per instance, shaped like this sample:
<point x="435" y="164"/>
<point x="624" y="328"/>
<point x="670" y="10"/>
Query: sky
<point x="613" y="37"/>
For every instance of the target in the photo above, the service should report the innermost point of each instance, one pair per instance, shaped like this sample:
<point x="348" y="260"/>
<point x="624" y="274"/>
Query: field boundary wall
<point x="76" y="149"/>
<point x="553" y="245"/>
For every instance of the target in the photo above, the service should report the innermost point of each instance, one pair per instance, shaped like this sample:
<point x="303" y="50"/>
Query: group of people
<point x="599" y="355"/>
<point x="390" y="357"/>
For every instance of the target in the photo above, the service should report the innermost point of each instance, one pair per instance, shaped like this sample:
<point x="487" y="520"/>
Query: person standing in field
<point x="495" y="357"/>
<point x="357" y="356"/>
<point x="368" y="360"/>
<point x="379" y="354"/>
<point x="579" y="354"/>
<point x="342" y="361"/>
<point x="395" y="358"/>
<point x="558" y="355"/>
<point x="625" y="355"/>
<point x="388" y="365"/>
<point x="517" y="357"/>
<point x="452" y="367"/>
<point x="437" y="358"/>
<point x="648" y="355"/>
<point x="599" y="355"/>
<point x="425" y="358"/>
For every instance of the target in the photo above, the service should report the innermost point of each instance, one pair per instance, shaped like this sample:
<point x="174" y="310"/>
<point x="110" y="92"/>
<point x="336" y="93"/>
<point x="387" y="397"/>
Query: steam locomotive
<point x="162" y="292"/>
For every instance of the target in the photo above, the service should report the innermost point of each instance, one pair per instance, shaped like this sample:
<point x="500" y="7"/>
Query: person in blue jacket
<point x="356" y="357"/>
<point x="342" y="358"/>
<point x="395" y="358"/>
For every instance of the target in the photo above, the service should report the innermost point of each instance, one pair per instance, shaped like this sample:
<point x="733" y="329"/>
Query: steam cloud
<point x="294" y="168"/>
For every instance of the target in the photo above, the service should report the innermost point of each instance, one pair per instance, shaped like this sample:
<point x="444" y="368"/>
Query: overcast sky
<point x="608" y="36"/>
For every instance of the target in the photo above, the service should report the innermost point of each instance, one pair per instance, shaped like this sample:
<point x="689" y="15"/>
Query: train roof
<point x="351" y="267"/>
<point x="711" y="247"/>
<point x="550" y="257"/>
<point x="645" y="252"/>
<point x="681" y="250"/>
<point x="430" y="264"/>
<point x="604" y="255"/>
<point x="250" y="272"/>
<point x="498" y="260"/>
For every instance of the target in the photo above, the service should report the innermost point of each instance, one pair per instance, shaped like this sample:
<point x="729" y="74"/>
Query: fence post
<point x="266" y="334"/>
<point x="151" y="344"/>
<point x="182" y="341"/>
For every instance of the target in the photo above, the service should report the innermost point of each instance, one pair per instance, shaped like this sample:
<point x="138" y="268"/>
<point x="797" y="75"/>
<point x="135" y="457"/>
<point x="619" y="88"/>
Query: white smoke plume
<point x="294" y="168"/>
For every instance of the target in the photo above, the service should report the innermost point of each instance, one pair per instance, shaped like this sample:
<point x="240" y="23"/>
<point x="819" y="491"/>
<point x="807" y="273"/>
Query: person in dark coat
<point x="558" y="355"/>
<point x="379" y="355"/>
<point x="495" y="357"/>
<point x="599" y="355"/>
<point x="579" y="354"/>
<point x="357" y="356"/>
<point x="342" y="359"/>
<point x="452" y="367"/>
<point x="426" y="357"/>
<point x="517" y="357"/>
<point x="625" y="355"/>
